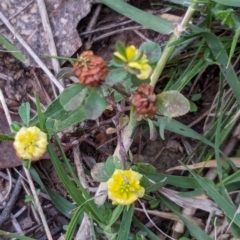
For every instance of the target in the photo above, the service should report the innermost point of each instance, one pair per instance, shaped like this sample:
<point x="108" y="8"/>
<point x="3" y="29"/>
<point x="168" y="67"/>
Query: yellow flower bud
<point x="30" y="143"/>
<point x="141" y="64"/>
<point x="124" y="187"/>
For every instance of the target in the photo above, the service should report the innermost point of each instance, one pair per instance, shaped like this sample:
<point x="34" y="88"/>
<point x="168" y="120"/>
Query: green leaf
<point x="156" y="186"/>
<point x="65" y="72"/>
<point x="153" y="130"/>
<point x="115" y="215"/>
<point x="178" y="181"/>
<point x="63" y="120"/>
<point x="175" y="126"/>
<point x="162" y="124"/>
<point x="233" y="45"/>
<point x="14" y="235"/>
<point x="226" y="16"/>
<point x="73" y="223"/>
<point x="153" y="22"/>
<point x="28" y="198"/>
<point x="41" y="118"/>
<point x="6" y="137"/>
<point x="116" y="76"/>
<point x="146" y="168"/>
<point x="57" y="119"/>
<point x="95" y="104"/>
<point x="172" y="104"/>
<point x="191" y="194"/>
<point x="99" y="173"/>
<point x="154" y="203"/>
<point x="232" y="3"/>
<point x="71" y="60"/>
<point x="235" y="177"/>
<point x="193" y="107"/>
<point x="24" y="112"/>
<point x="112" y="163"/>
<point x="196" y="97"/>
<point x="71" y="187"/>
<point x="12" y="49"/>
<point x="15" y="126"/>
<point x="72" y="97"/>
<point x="152" y="50"/>
<point x="120" y="47"/>
<point x="109" y="165"/>
<point x="126" y="222"/>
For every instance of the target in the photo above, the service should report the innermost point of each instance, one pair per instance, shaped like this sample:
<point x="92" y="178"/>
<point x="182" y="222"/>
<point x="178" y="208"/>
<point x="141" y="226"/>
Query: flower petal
<point x="131" y="52"/>
<point x="121" y="57"/>
<point x="124" y="187"/>
<point x="145" y="72"/>
<point x="30" y="143"/>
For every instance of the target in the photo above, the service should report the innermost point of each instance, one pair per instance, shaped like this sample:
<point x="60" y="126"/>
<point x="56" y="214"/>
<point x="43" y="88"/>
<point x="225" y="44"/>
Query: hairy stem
<point x="168" y="50"/>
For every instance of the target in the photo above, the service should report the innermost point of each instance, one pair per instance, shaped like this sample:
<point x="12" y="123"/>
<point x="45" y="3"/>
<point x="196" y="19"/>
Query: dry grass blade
<point x="30" y="51"/>
<point x="9" y="186"/>
<point x="171" y="216"/>
<point x="85" y="230"/>
<point x="49" y="36"/>
<point x="186" y="202"/>
<point x="208" y="164"/>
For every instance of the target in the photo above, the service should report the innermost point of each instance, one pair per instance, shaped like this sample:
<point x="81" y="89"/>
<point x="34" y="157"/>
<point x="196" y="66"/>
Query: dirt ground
<point x="24" y="81"/>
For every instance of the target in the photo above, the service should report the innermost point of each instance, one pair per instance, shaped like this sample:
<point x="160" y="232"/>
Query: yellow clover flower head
<point x="30" y="143"/>
<point x="141" y="64"/>
<point x="124" y="187"/>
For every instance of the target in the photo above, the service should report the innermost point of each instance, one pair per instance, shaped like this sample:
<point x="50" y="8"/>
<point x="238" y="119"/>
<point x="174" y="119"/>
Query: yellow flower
<point x="143" y="66"/>
<point x="30" y="143"/>
<point x="140" y="64"/>
<point x="124" y="187"/>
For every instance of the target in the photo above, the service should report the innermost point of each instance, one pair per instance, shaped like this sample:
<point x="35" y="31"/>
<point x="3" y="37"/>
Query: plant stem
<point x="168" y="50"/>
<point x="127" y="134"/>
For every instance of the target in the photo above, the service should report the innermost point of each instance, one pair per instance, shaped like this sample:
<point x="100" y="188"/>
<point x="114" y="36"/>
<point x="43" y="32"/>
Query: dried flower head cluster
<point x="90" y="69"/>
<point x="144" y="100"/>
<point x="136" y="63"/>
<point x="124" y="187"/>
<point x="30" y="143"/>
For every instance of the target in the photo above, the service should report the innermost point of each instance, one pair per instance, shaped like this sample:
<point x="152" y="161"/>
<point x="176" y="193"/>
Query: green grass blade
<point x="194" y="230"/>
<point x="70" y="186"/>
<point x="150" y="234"/>
<point x="73" y="223"/>
<point x="40" y="115"/>
<point x="71" y="170"/>
<point x="234" y="44"/>
<point x="14" y="235"/>
<point x="12" y="49"/>
<point x="218" y="129"/>
<point x="63" y="205"/>
<point x="115" y="215"/>
<point x="6" y="137"/>
<point x="232" y="3"/>
<point x="178" y="181"/>
<point x="175" y="126"/>
<point x="228" y="209"/>
<point x="126" y="222"/>
<point x="221" y="57"/>
<point x="155" y="23"/>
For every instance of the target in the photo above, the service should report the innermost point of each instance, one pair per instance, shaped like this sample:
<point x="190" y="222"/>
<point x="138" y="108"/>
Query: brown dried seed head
<point x="90" y="69"/>
<point x="144" y="100"/>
